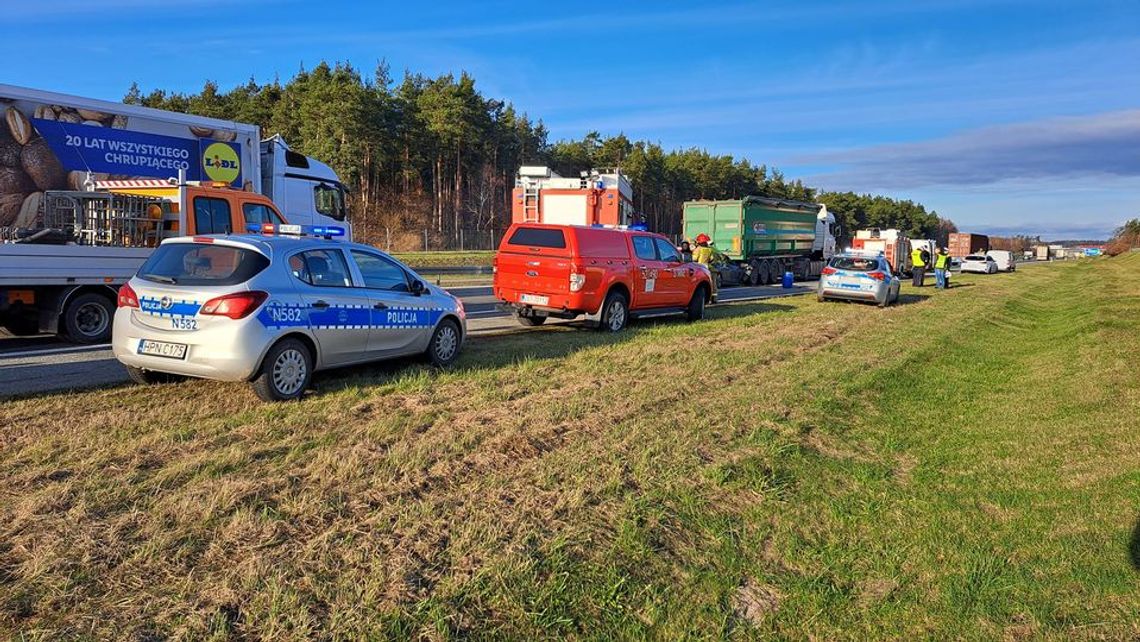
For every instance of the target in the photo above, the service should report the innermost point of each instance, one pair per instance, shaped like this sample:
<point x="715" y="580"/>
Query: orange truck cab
<point x="606" y="274"/>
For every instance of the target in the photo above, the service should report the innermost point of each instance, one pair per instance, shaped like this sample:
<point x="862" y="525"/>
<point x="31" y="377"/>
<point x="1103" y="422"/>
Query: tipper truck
<point x="88" y="188"/>
<point x="765" y="236"/>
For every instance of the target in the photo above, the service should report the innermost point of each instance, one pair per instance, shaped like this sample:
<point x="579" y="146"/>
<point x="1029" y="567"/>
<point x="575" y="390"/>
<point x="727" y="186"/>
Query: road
<point x="36" y="365"/>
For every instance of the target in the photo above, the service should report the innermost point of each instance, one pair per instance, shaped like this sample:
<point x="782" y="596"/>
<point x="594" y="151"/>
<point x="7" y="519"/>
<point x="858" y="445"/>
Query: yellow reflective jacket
<point x="916" y="258"/>
<point x="703" y="254"/>
<point x="942" y="261"/>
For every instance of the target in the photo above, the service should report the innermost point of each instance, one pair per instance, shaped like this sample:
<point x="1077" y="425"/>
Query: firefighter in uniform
<point x="703" y="254"/>
<point x="918" y="259"/>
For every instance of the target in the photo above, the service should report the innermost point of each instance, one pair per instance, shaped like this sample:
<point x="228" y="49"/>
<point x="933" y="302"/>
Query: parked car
<point x="859" y="277"/>
<point x="606" y="274"/>
<point x="273" y="309"/>
<point x="1005" y="260"/>
<point x="979" y="263"/>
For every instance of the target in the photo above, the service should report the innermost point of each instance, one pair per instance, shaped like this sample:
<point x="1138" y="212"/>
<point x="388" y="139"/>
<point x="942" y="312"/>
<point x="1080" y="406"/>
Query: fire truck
<point x="894" y="245"/>
<point x="595" y="197"/>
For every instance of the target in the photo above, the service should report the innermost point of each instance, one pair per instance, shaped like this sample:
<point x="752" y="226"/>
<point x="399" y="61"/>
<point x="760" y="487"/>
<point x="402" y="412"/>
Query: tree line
<point x="436" y="154"/>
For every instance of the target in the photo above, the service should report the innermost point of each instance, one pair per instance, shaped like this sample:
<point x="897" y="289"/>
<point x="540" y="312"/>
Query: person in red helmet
<point x="703" y="253"/>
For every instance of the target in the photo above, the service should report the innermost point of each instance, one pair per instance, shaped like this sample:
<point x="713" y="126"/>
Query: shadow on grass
<point x="549" y="342"/>
<point x="1134" y="546"/>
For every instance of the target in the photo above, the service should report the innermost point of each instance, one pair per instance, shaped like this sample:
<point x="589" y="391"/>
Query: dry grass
<point x="772" y="471"/>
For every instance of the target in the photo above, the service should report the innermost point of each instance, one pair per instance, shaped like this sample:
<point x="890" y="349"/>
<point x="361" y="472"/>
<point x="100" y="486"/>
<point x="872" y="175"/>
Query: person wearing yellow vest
<point x="703" y="254"/>
<point x="918" y="259"/>
<point x="942" y="269"/>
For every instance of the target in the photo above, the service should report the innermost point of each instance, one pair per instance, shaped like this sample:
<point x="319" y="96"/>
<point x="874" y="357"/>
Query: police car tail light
<point x="828" y="270"/>
<point x="577" y="278"/>
<point x="234" y="306"/>
<point x="878" y="276"/>
<point x="127" y="297"/>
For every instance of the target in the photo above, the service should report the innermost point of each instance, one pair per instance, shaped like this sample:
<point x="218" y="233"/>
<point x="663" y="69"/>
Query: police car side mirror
<point x="418" y="287"/>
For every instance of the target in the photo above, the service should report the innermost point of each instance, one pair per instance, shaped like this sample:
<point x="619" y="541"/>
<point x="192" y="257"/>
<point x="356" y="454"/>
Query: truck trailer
<point x="963" y="244"/>
<point x="765" y="236"/>
<point x="596" y="197"/>
<point x="893" y="244"/>
<point x="89" y="187"/>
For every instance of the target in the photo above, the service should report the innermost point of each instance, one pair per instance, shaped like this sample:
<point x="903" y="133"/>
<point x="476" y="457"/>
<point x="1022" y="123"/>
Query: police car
<point x="273" y="307"/>
<point x="859" y="276"/>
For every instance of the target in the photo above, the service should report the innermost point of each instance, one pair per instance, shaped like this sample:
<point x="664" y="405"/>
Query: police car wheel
<point x="150" y="377"/>
<point x="285" y="372"/>
<point x="696" y="309"/>
<point x="615" y="313"/>
<point x="87" y="318"/>
<point x="444" y="347"/>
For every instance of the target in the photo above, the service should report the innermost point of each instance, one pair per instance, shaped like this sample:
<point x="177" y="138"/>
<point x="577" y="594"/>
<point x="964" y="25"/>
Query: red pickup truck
<point x="607" y="274"/>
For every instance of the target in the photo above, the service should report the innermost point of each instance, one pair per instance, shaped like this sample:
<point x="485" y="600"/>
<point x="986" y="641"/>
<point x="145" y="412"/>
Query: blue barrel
<point x="789" y="279"/>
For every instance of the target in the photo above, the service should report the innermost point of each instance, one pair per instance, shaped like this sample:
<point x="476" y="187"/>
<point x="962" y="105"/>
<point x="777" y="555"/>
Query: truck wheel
<point x="754" y="273"/>
<point x="531" y="322"/>
<point x="696" y="308"/>
<point x="765" y="274"/>
<point x="87" y="318"/>
<point x="615" y="313"/>
<point x="151" y="377"/>
<point x="443" y="349"/>
<point x="285" y="372"/>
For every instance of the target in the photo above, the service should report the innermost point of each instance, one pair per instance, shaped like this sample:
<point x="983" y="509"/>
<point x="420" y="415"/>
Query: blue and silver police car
<point x="273" y="307"/>
<point x="860" y="277"/>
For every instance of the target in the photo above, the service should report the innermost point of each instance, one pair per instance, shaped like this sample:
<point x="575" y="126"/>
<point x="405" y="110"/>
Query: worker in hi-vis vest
<point x="942" y="269"/>
<point x="918" y="259"/>
<point x="704" y="255"/>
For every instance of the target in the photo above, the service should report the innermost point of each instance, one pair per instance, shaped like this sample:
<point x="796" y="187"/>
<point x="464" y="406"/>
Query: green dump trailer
<point x="765" y="236"/>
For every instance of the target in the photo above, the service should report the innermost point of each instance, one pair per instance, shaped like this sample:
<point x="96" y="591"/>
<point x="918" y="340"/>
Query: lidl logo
<point x="221" y="163"/>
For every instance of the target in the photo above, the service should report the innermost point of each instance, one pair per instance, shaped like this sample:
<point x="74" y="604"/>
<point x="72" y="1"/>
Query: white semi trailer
<point x="88" y="187"/>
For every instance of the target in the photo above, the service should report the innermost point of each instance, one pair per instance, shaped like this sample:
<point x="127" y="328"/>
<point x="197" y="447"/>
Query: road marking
<point x="36" y="353"/>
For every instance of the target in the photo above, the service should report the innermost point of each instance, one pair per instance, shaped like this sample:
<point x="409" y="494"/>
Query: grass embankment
<point x="966" y="465"/>
<point x="446" y="259"/>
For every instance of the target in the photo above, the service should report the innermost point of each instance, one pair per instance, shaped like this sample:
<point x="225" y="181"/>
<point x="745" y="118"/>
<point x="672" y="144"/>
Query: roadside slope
<point x="959" y="466"/>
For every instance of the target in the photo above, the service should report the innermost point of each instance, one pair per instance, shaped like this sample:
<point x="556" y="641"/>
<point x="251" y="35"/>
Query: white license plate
<point x="162" y="349"/>
<point x="534" y="299"/>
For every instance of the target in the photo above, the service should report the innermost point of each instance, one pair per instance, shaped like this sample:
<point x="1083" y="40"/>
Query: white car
<point x="1006" y="262"/>
<point x="979" y="263"/>
<point x="271" y="309"/>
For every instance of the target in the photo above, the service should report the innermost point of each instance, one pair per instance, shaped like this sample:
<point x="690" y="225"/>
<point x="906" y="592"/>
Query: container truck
<point x="89" y="187"/>
<point x="597" y="197"/>
<point x="962" y="244"/>
<point x="894" y="245"/>
<point x="765" y="236"/>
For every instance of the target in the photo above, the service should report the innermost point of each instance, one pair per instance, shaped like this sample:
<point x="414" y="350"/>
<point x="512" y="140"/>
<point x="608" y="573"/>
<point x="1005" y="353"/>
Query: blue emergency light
<point x="285" y="229"/>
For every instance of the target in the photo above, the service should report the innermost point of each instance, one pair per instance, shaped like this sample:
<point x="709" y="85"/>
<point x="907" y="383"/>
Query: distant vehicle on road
<point x="859" y="277"/>
<point x="1006" y="260"/>
<point x="980" y="264"/>
<point x="606" y="274"/>
<point x="273" y="309"/>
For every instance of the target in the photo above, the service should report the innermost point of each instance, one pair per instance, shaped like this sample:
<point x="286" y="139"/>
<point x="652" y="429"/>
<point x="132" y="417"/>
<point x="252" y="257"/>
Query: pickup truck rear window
<point x="202" y="264"/>
<point x="538" y="237"/>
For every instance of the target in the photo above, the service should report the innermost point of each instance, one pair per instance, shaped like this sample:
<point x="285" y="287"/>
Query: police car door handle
<point x="320" y="305"/>
<point x="380" y="306"/>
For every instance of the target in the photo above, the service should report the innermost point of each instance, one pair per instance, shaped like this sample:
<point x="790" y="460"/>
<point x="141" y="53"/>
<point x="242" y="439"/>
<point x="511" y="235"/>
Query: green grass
<point x="446" y="259"/>
<point x="963" y="466"/>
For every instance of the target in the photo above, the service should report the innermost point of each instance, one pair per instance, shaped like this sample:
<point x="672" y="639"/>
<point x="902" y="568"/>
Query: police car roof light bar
<point x="286" y="229"/>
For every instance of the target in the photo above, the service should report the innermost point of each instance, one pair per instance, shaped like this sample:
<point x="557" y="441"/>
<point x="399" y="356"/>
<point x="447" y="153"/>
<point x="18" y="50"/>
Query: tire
<point x="443" y="349"/>
<point x="151" y="377"/>
<point x="531" y="322"/>
<point x="87" y="318"/>
<point x="754" y="273"/>
<point x="695" y="311"/>
<point x="285" y="372"/>
<point x="614" y="313"/>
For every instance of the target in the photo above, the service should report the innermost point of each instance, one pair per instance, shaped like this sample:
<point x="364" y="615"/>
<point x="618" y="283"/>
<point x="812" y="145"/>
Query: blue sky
<point x="1006" y="116"/>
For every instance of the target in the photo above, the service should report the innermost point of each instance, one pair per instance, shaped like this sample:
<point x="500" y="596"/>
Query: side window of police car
<point x="321" y="268"/>
<point x="380" y="273"/>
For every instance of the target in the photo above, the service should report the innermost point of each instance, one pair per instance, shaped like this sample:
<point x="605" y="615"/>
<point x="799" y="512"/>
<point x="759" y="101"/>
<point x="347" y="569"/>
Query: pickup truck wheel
<point x="696" y="308"/>
<point x="285" y="372"/>
<point x="615" y="313"/>
<point x="443" y="349"/>
<point x="151" y="377"/>
<point x="87" y="318"/>
<point x="531" y="322"/>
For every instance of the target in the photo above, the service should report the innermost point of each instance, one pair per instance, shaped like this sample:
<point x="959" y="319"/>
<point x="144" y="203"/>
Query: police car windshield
<point x="855" y="263"/>
<point x="202" y="264"/>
